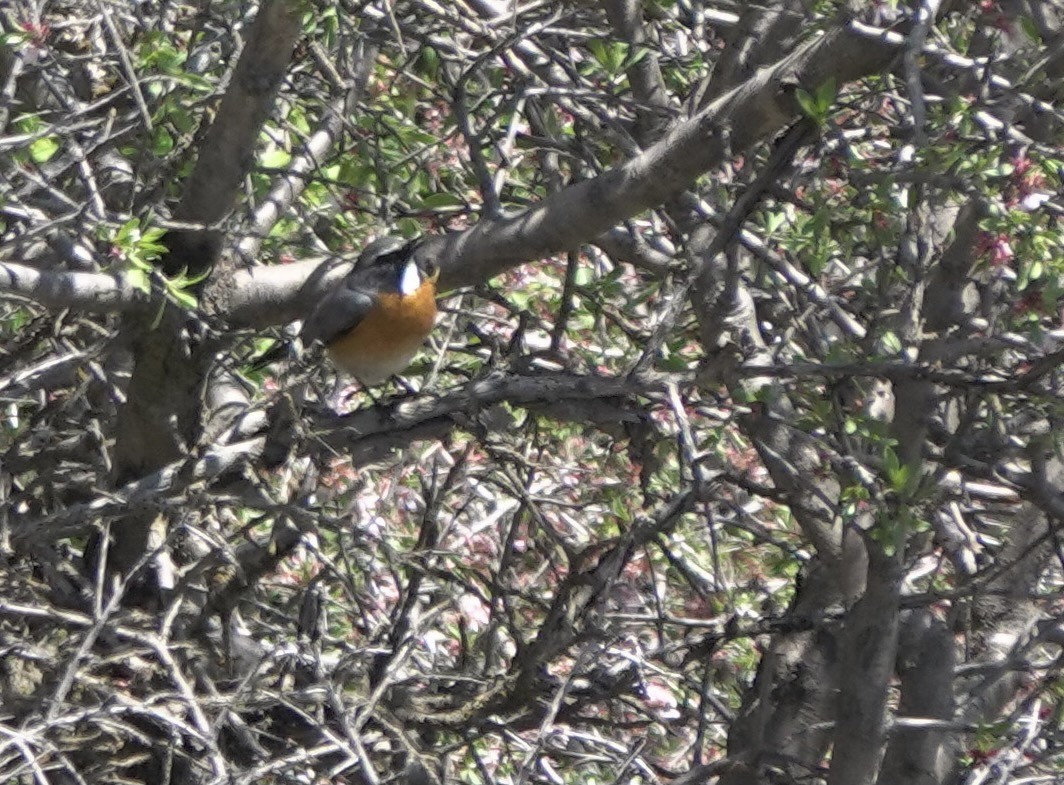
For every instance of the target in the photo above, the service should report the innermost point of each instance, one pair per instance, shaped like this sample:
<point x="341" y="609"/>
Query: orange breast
<point x="387" y="339"/>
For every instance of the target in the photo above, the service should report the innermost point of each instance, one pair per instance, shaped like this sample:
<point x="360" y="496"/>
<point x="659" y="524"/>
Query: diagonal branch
<point x="754" y="110"/>
<point x="288" y="188"/>
<point x="734" y="123"/>
<point x="226" y="154"/>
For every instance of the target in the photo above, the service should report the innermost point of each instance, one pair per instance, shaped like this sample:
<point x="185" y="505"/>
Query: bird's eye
<point x="430" y="269"/>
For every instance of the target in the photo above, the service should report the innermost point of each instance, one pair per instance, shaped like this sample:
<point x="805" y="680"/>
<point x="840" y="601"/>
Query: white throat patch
<point x="410" y="280"/>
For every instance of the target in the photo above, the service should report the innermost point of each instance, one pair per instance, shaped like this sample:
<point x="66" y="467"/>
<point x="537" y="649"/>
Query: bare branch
<point x="91" y="292"/>
<point x="755" y="109"/>
<point x="226" y="155"/>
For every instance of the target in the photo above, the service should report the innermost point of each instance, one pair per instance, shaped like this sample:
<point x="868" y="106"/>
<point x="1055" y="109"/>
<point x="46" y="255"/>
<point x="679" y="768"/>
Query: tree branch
<point x="226" y="155"/>
<point x="91" y="292"/>
<point x="734" y="123"/>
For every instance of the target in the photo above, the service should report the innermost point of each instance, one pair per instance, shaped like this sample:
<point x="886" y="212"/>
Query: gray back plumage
<point x="377" y="268"/>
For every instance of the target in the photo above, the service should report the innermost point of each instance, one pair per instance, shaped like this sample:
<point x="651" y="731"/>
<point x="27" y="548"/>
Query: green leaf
<point x="890" y="342"/>
<point x="897" y="474"/>
<point x="14" y="39"/>
<point x="275" y="158"/>
<point x="298" y="118"/>
<point x="130" y="230"/>
<point x="598" y="50"/>
<point x="815" y="263"/>
<point x="408" y="227"/>
<point x="184" y="298"/>
<point x="826" y="94"/>
<point x="817" y="105"/>
<point x="158" y="318"/>
<point x="890" y="460"/>
<point x="635" y="56"/>
<point x="184" y="280"/>
<point x="429" y="61"/>
<point x="774" y="221"/>
<point x="885" y="533"/>
<point x="162" y="142"/>
<point x="441" y="199"/>
<point x="181" y="119"/>
<point x="806" y="102"/>
<point x="153" y="234"/>
<point x="675" y="363"/>
<point x="139" y="279"/>
<point x="41" y="150"/>
<point x="1029" y="29"/>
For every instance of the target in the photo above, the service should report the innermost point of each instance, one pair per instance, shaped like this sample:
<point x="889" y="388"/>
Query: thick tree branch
<point x="91" y="292"/>
<point x="648" y="85"/>
<point x="161" y="420"/>
<point x="731" y="125"/>
<point x="371" y="433"/>
<point x="227" y="153"/>
<point x="926" y="661"/>
<point x="866" y="664"/>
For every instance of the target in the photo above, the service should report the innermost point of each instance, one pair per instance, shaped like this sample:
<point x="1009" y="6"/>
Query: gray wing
<point x="344" y="307"/>
<point x="341" y="310"/>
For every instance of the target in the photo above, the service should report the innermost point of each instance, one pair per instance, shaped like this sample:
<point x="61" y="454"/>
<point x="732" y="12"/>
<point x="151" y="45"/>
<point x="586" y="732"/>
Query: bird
<point x="374" y="322"/>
